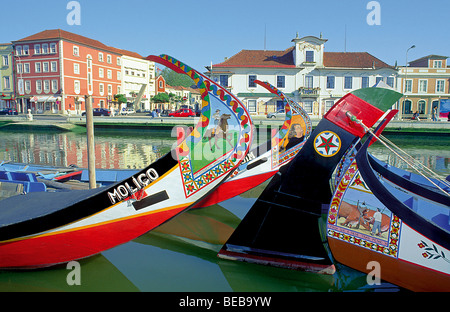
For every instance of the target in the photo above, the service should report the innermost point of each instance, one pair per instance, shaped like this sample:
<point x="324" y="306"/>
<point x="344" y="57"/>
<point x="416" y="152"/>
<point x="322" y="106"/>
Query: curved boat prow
<point x="281" y="228"/>
<point x="43" y="229"/>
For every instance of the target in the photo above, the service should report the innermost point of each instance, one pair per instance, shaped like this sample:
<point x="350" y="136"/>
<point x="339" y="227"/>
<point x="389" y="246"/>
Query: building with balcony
<point x="425" y="82"/>
<point x="56" y="69"/>
<point x="314" y="78"/>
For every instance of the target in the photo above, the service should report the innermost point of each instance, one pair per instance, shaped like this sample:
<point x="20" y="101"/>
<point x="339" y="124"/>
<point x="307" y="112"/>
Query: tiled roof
<point x="263" y="58"/>
<point x="62" y="34"/>
<point x="260" y="58"/>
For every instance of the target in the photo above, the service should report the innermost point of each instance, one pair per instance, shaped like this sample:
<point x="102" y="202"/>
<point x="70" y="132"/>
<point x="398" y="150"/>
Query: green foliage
<point x="120" y="98"/>
<point x="174" y="79"/>
<point x="161" y="98"/>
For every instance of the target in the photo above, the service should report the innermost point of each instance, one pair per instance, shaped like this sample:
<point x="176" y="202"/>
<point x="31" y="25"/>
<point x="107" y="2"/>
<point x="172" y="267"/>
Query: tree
<point x="120" y="98"/>
<point x="161" y="98"/>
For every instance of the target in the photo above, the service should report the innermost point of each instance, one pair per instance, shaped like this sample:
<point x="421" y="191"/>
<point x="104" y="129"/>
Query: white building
<point x="138" y="80"/>
<point x="305" y="72"/>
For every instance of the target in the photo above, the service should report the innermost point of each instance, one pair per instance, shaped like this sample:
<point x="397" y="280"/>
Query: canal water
<point x="180" y="255"/>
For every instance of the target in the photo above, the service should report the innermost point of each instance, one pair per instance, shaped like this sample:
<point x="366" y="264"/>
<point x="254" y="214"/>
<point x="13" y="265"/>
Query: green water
<point x="181" y="255"/>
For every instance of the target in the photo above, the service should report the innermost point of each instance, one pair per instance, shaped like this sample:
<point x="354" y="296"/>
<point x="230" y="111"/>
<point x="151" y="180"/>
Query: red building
<point x="55" y="69"/>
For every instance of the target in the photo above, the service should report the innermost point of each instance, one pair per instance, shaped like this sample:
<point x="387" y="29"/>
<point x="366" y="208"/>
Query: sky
<point x="202" y="32"/>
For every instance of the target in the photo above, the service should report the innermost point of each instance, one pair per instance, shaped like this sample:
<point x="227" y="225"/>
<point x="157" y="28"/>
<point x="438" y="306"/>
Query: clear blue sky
<point x="203" y="31"/>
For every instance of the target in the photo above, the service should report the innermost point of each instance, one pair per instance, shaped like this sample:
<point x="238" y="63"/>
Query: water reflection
<point x="128" y="150"/>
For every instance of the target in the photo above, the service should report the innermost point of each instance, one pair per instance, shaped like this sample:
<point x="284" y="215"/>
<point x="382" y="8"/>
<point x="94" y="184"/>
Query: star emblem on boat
<point x="327" y="143"/>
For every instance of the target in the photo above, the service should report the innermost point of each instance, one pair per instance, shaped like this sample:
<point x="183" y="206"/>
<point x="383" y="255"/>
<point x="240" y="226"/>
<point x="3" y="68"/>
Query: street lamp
<point x="406" y="76"/>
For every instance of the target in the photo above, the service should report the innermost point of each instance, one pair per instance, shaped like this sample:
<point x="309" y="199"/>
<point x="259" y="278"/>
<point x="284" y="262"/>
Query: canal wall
<point x="78" y="124"/>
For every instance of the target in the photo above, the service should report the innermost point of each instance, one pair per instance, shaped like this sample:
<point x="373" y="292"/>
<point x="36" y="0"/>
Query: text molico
<point x="130" y="187"/>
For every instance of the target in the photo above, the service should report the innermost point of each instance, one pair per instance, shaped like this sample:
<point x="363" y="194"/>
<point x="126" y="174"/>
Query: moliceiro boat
<point x="282" y="227"/>
<point x="41" y="229"/>
<point x="397" y="218"/>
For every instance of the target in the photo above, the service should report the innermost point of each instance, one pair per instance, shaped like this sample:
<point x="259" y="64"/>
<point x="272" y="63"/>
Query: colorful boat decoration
<point x="282" y="227"/>
<point x="394" y="217"/>
<point x="46" y="228"/>
<point x="262" y="162"/>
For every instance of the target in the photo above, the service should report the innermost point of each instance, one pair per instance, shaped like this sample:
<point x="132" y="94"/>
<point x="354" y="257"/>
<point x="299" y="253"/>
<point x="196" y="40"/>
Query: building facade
<point x="314" y="78"/>
<point x="425" y="82"/>
<point x="6" y="76"/>
<point x="56" y="69"/>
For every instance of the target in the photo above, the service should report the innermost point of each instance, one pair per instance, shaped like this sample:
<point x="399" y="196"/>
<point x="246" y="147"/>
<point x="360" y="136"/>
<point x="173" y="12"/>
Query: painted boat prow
<point x="281" y="228"/>
<point x="411" y="246"/>
<point x="44" y="229"/>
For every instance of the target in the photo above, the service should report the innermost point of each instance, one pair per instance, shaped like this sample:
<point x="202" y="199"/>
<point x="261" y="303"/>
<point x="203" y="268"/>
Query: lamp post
<point x="406" y="76"/>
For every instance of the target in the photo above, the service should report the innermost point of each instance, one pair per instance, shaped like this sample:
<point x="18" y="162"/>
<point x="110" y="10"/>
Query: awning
<point x="44" y="99"/>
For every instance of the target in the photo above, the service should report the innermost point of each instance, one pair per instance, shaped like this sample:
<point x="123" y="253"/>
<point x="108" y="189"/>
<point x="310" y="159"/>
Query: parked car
<point x="127" y="111"/>
<point x="183" y="112"/>
<point x="8" y="111"/>
<point x="165" y="113"/>
<point x="99" y="112"/>
<point x="278" y="114"/>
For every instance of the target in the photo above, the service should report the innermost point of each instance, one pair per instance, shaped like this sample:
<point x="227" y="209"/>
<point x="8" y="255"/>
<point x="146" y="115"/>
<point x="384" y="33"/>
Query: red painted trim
<point x="47" y="250"/>
<point x="234" y="188"/>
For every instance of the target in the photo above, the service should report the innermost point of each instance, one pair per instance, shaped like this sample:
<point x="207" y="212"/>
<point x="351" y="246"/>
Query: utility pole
<point x="90" y="141"/>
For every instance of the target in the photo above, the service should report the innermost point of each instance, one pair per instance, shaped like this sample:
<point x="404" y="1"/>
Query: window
<point x="76" y="86"/>
<point x="19" y="68"/>
<point x="119" y="75"/>
<point x="76" y="51"/>
<point x="408" y="86"/>
<point x="378" y="79"/>
<point x="37" y="49"/>
<point x="101" y="88"/>
<point x="437" y="64"/>
<point x="251" y="81"/>
<point x="19" y="50"/>
<point x="109" y="59"/>
<point x="37" y="67"/>
<point x="54" y="85"/>
<point x="118" y="61"/>
<point x="308" y="106"/>
<point x="421" y="105"/>
<point x="390" y="81"/>
<point x="309" y="56"/>
<point x="5" y="60"/>
<point x="54" y="66"/>
<point x="76" y="68"/>
<point x="407" y="107"/>
<point x="45" y="48"/>
<point x="251" y="106"/>
<point x="26" y="50"/>
<point x="330" y="82"/>
<point x="423" y="84"/>
<point x="27" y="86"/>
<point x="6" y="82"/>
<point x="26" y="68"/>
<point x="309" y="82"/>
<point x="38" y="86"/>
<point x="109" y="89"/>
<point x="45" y="67"/>
<point x="109" y="74"/>
<point x="281" y="81"/>
<point x="440" y="86"/>
<point x="100" y="56"/>
<point x="364" y="82"/>
<point x="46" y="86"/>
<point x="348" y="82"/>
<point x="223" y="80"/>
<point x="328" y="105"/>
<point x="52" y="47"/>
<point x="101" y="73"/>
